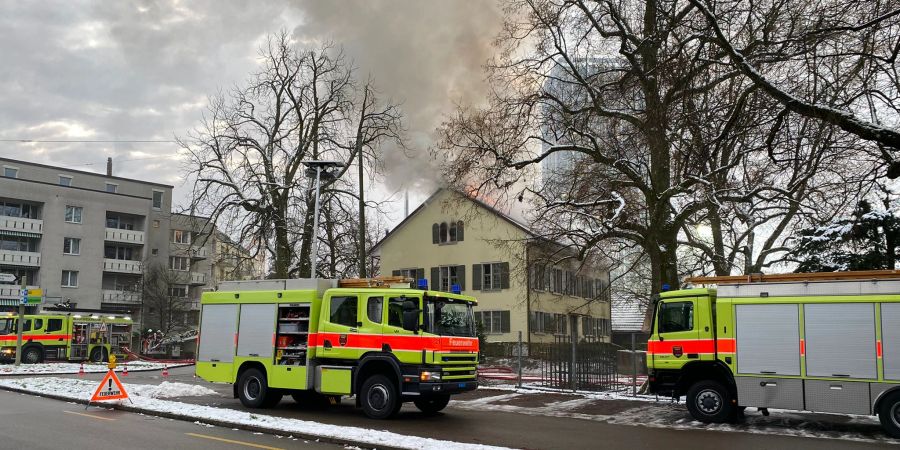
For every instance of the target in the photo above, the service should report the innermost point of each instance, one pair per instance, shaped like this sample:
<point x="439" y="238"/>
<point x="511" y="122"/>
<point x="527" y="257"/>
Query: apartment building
<point x="454" y="240"/>
<point x="88" y="239"/>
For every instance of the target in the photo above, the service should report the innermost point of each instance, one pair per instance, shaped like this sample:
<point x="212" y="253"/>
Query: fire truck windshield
<point x="448" y="317"/>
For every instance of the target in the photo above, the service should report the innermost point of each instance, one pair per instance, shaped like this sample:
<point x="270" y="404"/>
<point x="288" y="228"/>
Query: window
<point x="18" y="244"/>
<point x="155" y="224"/>
<point x="374" y="308"/>
<point x="10" y="172"/>
<point x="395" y="310"/>
<point x="112" y="187"/>
<point x="119" y="222"/>
<point x="54" y="325"/>
<point x="493" y="322"/>
<point x="73" y="214"/>
<point x="676" y="316"/>
<point x="179" y="263"/>
<point x="181" y="237"/>
<point x="157" y="199"/>
<point x="154" y="251"/>
<point x="69" y="278"/>
<point x="71" y="246"/>
<point x="65" y="180"/>
<point x="549" y="323"/>
<point x="179" y="291"/>
<point x="343" y="311"/>
<point x="492" y="277"/>
<point x="449" y="276"/>
<point x="116" y="252"/>
<point x="444" y="233"/>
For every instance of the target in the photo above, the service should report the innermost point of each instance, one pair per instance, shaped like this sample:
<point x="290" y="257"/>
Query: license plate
<point x="462" y="385"/>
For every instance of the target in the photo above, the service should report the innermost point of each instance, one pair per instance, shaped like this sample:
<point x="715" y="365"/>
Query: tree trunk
<point x="303" y="265"/>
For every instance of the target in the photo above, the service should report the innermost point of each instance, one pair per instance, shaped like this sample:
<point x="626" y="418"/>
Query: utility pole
<point x="20" y="322"/>
<point x="362" y="214"/>
<point x="317" y="169"/>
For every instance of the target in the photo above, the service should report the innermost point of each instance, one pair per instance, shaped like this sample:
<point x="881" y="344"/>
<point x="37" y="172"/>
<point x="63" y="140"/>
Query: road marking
<point x="88" y="415"/>
<point x="246" y="444"/>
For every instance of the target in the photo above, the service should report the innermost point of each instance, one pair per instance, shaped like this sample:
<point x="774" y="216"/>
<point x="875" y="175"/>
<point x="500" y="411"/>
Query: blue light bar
<point x="666" y="288"/>
<point x="423" y="284"/>
<point x="456" y="289"/>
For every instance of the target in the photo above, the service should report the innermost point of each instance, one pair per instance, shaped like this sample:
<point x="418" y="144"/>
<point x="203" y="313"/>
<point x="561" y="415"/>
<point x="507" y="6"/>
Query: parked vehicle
<point x="813" y="342"/>
<point x="65" y="337"/>
<point x="313" y="340"/>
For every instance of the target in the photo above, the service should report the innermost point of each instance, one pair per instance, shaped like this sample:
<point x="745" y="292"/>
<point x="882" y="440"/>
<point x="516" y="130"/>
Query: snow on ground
<point x="646" y="410"/>
<point x="169" y="390"/>
<point x="82" y="389"/>
<point x="72" y="368"/>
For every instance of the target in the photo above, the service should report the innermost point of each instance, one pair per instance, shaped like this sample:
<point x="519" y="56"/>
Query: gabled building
<point x="455" y="240"/>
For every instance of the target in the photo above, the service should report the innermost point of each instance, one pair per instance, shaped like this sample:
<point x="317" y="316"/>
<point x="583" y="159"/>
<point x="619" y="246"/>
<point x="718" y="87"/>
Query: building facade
<point x="88" y="239"/>
<point x="455" y="240"/>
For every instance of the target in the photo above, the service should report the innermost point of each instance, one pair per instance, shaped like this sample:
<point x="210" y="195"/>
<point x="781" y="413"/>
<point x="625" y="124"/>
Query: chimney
<point x="109" y="167"/>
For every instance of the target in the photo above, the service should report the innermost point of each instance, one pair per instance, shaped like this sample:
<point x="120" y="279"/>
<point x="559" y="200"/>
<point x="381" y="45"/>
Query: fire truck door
<point x="676" y="337"/>
<point x="339" y="335"/>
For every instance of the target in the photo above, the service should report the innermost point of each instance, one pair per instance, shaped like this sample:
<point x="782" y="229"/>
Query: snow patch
<point x="73" y="368"/>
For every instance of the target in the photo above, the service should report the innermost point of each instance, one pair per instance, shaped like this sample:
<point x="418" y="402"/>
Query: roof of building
<point x="98" y="174"/>
<point x="628" y="315"/>
<point x="476" y="201"/>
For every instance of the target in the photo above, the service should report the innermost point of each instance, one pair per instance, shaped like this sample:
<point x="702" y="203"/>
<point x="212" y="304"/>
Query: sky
<point x="143" y="70"/>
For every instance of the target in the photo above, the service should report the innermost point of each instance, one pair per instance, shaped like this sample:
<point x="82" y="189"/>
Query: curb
<point x="186" y="418"/>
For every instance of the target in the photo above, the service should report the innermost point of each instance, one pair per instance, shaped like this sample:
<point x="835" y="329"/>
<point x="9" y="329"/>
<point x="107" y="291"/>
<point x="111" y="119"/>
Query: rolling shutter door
<point x="890" y="340"/>
<point x="768" y="339"/>
<point x="217" y="328"/>
<point x="257" y="330"/>
<point x="840" y="340"/>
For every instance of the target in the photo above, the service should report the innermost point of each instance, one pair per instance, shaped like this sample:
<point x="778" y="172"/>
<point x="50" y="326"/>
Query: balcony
<point x="121" y="266"/>
<point x="125" y="236"/>
<point x="16" y="258"/>
<point x="114" y="296"/>
<point x="198" y="278"/>
<point x="195" y="253"/>
<point x="22" y="225"/>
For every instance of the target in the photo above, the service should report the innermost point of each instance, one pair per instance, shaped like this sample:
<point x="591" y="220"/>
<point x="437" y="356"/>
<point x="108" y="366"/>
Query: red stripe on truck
<point x="36" y="337"/>
<point x="667" y="346"/>
<point x="878" y="348"/>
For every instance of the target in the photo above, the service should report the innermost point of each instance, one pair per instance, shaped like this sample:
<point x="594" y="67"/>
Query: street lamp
<point x="317" y="169"/>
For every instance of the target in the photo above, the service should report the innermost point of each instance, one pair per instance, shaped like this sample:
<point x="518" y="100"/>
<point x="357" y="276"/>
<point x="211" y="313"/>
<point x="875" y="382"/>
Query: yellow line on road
<point x="88" y="415"/>
<point x="246" y="444"/>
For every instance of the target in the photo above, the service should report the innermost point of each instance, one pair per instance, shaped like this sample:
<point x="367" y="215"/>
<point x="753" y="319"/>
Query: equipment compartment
<point x="292" y="335"/>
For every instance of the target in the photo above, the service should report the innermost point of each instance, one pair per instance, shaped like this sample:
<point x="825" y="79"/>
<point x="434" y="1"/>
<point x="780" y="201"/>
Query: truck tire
<point x="254" y="390"/>
<point x="32" y="355"/>
<point x="889" y="414"/>
<point x="710" y="402"/>
<point x="99" y="354"/>
<point x="379" y="397"/>
<point x="432" y="404"/>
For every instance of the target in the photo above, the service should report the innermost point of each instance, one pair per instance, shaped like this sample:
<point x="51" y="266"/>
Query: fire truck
<point x="68" y="336"/>
<point x="376" y="339"/>
<point x="824" y="342"/>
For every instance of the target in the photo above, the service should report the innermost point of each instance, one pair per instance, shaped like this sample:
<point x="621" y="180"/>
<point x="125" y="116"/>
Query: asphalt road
<point x="513" y="429"/>
<point x="36" y="423"/>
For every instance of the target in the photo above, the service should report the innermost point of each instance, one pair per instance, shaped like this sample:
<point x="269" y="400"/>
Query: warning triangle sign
<point x="110" y="388"/>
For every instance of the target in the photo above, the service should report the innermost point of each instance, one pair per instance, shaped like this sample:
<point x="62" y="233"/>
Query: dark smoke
<point x="426" y="54"/>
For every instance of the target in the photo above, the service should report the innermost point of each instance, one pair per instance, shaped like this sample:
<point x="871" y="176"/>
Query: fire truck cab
<point x="312" y="340"/>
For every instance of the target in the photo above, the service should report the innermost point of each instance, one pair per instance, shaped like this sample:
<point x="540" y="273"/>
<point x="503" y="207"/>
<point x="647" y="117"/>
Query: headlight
<point x="430" y="376"/>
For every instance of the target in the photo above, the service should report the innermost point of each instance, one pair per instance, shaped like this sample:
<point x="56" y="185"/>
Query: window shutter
<point x="461" y="275"/>
<point x="435" y="274"/>
<point x="420" y="274"/>
<point x="504" y="275"/>
<point x="395" y="273"/>
<point x="504" y="321"/>
<point x="435" y="234"/>
<point x="476" y="277"/>
<point x="459" y="230"/>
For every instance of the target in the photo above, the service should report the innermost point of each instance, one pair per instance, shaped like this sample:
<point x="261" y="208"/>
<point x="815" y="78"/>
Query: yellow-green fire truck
<point x="65" y="337"/>
<point x="827" y="342"/>
<point x="311" y="339"/>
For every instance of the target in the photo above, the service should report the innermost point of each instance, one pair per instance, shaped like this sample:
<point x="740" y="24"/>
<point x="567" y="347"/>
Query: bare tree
<point x="164" y="309"/>
<point x="246" y="159"/>
<point x="644" y="132"/>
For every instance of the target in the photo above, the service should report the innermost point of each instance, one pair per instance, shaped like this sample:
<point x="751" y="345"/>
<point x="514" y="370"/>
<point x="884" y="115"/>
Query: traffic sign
<point x="7" y="278"/>
<point x="110" y="389"/>
<point x="31" y="296"/>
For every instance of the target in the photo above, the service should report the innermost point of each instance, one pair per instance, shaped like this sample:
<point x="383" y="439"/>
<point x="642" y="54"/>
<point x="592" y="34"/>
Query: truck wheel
<point x="379" y="397"/>
<point x="254" y="391"/>
<point x="710" y="402"/>
<point x="889" y="414"/>
<point x="99" y="354"/>
<point x="32" y="355"/>
<point x="433" y="404"/>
